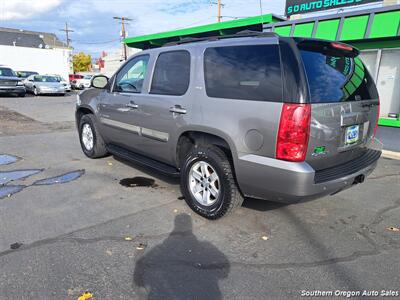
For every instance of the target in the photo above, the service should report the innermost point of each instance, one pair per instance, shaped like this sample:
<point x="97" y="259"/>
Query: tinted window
<point x="171" y="73"/>
<point x="337" y="78"/>
<point x="130" y="78"/>
<point x="243" y="72"/>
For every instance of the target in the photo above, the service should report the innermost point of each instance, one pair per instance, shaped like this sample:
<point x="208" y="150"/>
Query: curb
<point x="391" y="154"/>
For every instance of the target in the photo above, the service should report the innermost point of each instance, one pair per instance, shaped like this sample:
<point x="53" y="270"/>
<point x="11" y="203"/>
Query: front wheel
<point x="208" y="183"/>
<point x="35" y="91"/>
<point x="92" y="142"/>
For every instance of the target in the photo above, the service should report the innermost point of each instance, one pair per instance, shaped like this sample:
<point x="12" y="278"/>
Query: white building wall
<point x="114" y="60"/>
<point x="43" y="61"/>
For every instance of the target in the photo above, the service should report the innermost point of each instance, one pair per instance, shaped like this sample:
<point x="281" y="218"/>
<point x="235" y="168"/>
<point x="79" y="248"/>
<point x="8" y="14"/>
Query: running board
<point x="143" y="160"/>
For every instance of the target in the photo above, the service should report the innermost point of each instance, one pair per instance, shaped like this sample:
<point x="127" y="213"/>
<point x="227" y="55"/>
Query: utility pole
<point x="219" y="11"/>
<point x="67" y="31"/>
<point x="123" y="20"/>
<point x="219" y="5"/>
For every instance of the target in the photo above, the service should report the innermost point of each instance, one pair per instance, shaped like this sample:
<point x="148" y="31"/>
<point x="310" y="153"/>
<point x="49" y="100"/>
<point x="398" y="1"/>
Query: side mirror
<point x="99" y="81"/>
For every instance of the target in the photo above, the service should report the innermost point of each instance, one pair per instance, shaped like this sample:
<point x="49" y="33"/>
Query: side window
<point x="171" y="73"/>
<point x="130" y="78"/>
<point x="250" y="72"/>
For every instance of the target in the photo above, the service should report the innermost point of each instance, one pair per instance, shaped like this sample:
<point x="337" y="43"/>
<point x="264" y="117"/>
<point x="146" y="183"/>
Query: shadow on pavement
<point x="261" y="205"/>
<point x="182" y="267"/>
<point x="149" y="171"/>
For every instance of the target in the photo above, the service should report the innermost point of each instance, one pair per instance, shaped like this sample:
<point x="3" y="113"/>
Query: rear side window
<point x="171" y="73"/>
<point x="243" y="72"/>
<point x="337" y="78"/>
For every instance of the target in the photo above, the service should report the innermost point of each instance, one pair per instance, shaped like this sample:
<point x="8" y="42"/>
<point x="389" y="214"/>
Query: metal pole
<point x="219" y="11"/>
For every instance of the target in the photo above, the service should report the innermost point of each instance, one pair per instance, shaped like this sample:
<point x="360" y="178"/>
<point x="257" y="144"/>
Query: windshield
<point x="7" y="72"/>
<point x="88" y="77"/>
<point x="45" y="79"/>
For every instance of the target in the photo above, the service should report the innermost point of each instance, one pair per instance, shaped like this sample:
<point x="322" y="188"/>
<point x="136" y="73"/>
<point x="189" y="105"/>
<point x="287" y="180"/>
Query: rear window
<point x="337" y="78"/>
<point x="243" y="72"/>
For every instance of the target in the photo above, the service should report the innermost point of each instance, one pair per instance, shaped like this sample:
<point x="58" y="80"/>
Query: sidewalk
<point x="390" y="137"/>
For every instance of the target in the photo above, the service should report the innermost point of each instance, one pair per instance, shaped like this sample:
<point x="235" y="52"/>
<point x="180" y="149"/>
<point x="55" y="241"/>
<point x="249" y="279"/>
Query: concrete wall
<point x="43" y="61"/>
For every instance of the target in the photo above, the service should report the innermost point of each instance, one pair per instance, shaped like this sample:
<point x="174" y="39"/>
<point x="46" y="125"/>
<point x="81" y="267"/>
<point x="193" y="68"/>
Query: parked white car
<point x="83" y="83"/>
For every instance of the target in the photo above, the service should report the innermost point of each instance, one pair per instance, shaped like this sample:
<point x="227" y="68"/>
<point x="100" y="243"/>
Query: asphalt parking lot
<point x="91" y="233"/>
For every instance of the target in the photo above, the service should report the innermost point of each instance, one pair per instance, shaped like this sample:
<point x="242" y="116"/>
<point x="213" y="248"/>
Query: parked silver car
<point x="44" y="84"/>
<point x="251" y="115"/>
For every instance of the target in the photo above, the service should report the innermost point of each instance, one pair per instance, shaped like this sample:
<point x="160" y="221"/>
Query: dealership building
<point x="374" y="28"/>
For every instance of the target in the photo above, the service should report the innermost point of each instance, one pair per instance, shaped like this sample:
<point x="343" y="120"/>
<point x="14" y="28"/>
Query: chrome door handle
<point x="177" y="109"/>
<point x="132" y="105"/>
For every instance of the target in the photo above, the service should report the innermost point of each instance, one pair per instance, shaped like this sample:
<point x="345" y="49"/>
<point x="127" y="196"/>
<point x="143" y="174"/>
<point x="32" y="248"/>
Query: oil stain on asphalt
<point x="15" y="246"/>
<point x="138" y="181"/>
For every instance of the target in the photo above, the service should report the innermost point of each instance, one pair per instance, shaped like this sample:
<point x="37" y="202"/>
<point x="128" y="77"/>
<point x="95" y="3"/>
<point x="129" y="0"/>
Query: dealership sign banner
<point x="305" y="6"/>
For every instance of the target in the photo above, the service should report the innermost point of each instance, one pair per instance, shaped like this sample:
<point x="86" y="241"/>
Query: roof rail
<point x="244" y="33"/>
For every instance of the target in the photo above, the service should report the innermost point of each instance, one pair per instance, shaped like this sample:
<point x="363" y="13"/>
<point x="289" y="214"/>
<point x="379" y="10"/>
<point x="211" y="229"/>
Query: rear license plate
<point x="352" y="134"/>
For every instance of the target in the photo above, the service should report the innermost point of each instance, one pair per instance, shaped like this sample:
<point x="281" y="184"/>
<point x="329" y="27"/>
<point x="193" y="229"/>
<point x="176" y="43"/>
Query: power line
<point x="123" y="32"/>
<point x="95" y="43"/>
<point x="67" y="31"/>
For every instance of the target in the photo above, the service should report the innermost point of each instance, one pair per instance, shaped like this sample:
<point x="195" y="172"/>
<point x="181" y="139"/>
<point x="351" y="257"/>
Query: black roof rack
<point x="244" y="33"/>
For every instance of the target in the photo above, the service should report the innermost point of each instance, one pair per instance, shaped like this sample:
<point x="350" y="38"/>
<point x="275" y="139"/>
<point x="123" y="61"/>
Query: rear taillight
<point x="377" y="117"/>
<point x="293" y="133"/>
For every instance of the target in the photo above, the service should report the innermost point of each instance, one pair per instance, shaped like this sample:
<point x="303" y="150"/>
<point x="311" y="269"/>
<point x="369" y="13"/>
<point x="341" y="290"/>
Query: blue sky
<point x="95" y="29"/>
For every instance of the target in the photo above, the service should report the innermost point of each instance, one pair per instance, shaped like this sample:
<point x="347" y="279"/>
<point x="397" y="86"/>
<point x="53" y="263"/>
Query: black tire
<point x="21" y="95"/>
<point x="229" y="197"/>
<point x="35" y="91"/>
<point x="99" y="147"/>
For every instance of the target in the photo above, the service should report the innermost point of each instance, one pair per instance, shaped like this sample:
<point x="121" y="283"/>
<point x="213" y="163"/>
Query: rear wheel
<point x="208" y="183"/>
<point x="91" y="141"/>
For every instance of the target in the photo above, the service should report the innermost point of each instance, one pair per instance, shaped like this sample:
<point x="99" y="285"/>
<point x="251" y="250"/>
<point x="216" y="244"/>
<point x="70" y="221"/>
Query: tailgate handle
<point x="349" y="119"/>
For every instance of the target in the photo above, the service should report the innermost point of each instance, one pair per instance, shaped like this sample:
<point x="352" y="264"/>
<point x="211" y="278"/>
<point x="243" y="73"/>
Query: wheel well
<point x="191" y="139"/>
<point x="81" y="112"/>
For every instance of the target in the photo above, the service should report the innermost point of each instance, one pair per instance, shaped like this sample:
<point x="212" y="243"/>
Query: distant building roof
<point x="26" y="38"/>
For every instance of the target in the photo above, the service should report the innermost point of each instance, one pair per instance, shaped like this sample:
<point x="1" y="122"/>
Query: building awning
<point x="360" y="26"/>
<point x="215" y="29"/>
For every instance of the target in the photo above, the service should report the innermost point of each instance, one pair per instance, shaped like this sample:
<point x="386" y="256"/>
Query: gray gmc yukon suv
<point x="248" y="115"/>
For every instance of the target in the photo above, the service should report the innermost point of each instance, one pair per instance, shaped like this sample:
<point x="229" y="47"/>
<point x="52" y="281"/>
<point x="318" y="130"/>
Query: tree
<point x="82" y="62"/>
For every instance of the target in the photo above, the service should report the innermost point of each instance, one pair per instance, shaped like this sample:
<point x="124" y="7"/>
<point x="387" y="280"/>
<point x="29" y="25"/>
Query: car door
<point x="28" y="82"/>
<point x="165" y="108"/>
<point x="118" y="111"/>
